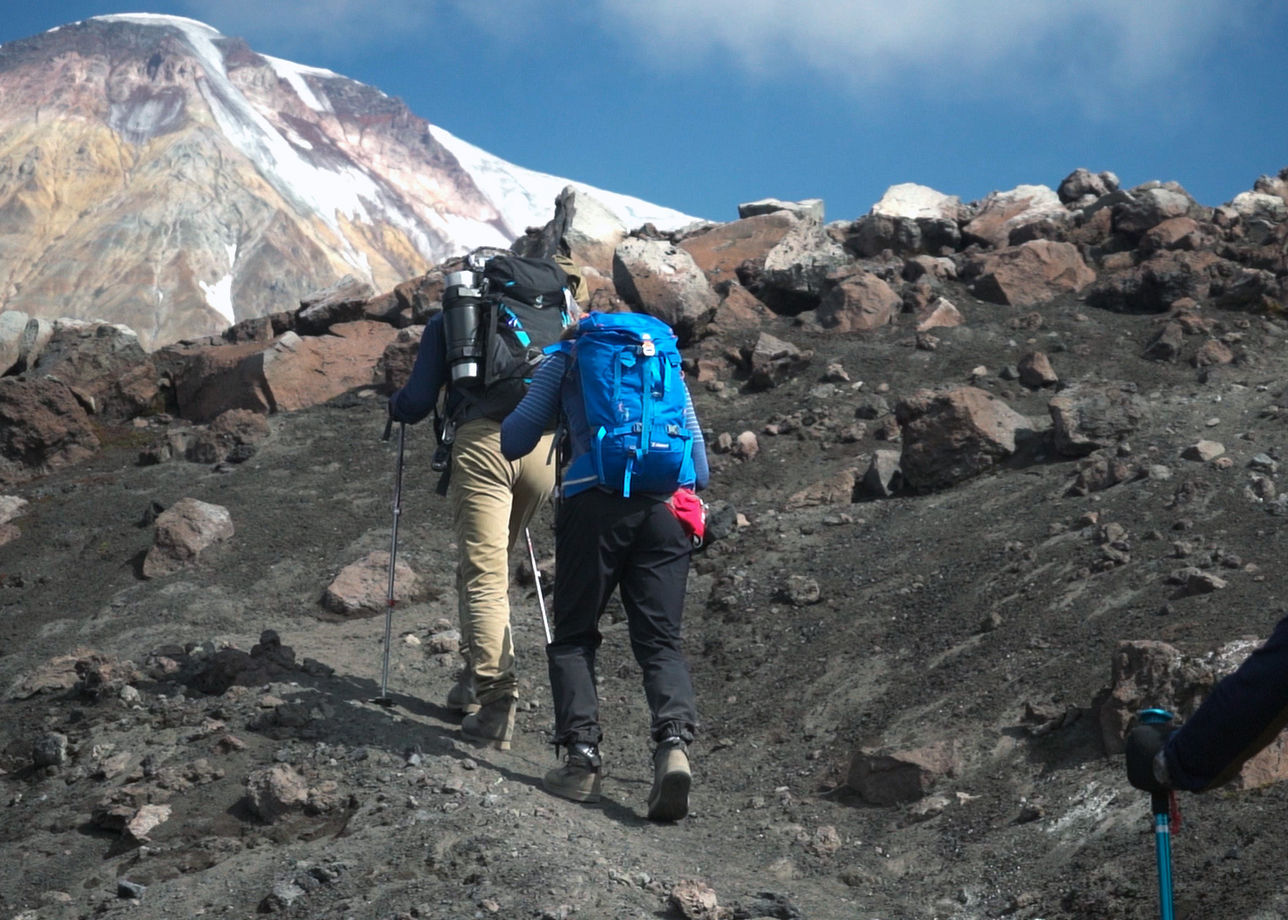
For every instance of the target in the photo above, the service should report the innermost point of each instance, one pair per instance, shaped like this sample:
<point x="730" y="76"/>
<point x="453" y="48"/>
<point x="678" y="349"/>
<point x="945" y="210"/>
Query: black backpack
<point x="525" y="309"/>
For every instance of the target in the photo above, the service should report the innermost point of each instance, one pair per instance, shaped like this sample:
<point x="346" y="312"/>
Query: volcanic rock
<point x="664" y="281"/>
<point x="1030" y="273"/>
<point x="953" y="435"/>
<point x="183" y="532"/>
<point x="43" y="427"/>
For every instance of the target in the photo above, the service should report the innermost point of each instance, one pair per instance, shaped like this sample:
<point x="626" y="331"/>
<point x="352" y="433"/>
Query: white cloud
<point x="1008" y="47"/>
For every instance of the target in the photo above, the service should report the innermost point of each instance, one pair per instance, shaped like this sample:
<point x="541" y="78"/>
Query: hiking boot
<point x="492" y="725"/>
<point x="668" y="800"/>
<point x="579" y="778"/>
<point x="461" y="696"/>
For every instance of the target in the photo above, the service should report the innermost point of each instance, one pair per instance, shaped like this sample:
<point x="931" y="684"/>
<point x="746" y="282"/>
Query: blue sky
<point x="699" y="106"/>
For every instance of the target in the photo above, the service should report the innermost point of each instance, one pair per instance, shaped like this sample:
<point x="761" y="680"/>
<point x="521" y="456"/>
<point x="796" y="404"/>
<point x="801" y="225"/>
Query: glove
<point x="1144" y="742"/>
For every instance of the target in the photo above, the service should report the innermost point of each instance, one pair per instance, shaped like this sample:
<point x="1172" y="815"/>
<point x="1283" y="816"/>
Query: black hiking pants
<point x="604" y="541"/>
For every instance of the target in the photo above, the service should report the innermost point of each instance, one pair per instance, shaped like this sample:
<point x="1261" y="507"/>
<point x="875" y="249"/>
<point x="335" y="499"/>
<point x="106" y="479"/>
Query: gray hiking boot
<point x="668" y="800"/>
<point x="492" y="725"/>
<point x="461" y="696"/>
<point x="579" y="778"/>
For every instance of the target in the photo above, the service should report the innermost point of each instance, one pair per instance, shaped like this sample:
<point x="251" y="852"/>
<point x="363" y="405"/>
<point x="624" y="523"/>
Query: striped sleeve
<point x="523" y="427"/>
<point x="701" y="470"/>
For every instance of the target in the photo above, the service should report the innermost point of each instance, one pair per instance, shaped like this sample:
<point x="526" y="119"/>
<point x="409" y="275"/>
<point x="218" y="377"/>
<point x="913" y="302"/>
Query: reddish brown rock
<point x="399" y="357"/>
<point x="343" y="302"/>
<point x="1031" y="273"/>
<point x="860" y="302"/>
<point x="952" y="435"/>
<point x="183" y="532"/>
<point x="1036" y="370"/>
<point x="939" y="313"/>
<point x="293" y="372"/>
<point x="738" y="309"/>
<point x="1148" y="673"/>
<point x="361" y="589"/>
<point x="43" y="427"/>
<point x="890" y="777"/>
<point x="1001" y="213"/>
<point x="720" y="250"/>
<point x="104" y="364"/>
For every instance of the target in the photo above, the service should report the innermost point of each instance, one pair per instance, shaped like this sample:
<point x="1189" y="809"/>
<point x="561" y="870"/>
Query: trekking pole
<point x="1160" y="804"/>
<point x="384" y="699"/>
<point x="536" y="577"/>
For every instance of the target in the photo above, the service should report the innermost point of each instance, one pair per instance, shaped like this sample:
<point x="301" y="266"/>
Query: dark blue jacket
<point x="1243" y="714"/>
<point x="418" y="396"/>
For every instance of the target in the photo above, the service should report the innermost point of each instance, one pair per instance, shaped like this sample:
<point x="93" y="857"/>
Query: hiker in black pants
<point x="1243" y="714"/>
<point x="604" y="540"/>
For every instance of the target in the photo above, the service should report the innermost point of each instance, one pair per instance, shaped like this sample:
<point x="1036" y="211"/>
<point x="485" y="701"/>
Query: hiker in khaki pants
<point x="492" y="500"/>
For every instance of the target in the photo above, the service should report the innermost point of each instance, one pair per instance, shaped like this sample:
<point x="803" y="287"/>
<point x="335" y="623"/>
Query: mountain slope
<point x="156" y="173"/>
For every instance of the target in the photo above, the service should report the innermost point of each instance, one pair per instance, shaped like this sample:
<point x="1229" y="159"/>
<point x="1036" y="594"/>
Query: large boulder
<point x="183" y="531"/>
<point x="1002" y="213"/>
<point x="914" y="201"/>
<point x="1090" y="417"/>
<point x="808" y="209"/>
<point x="586" y="231"/>
<point x="305" y="371"/>
<point x="293" y="372"/>
<point x="343" y="302"/>
<point x="1146" y="673"/>
<point x="1030" y="273"/>
<point x="103" y="364"/>
<point x="1149" y="205"/>
<point x="361" y="589"/>
<point x="1160" y="281"/>
<point x="722" y="249"/>
<point x="663" y="280"/>
<point x="12" y="325"/>
<point x="43" y="427"/>
<point x="857" y="302"/>
<point x="796" y="270"/>
<point x="1082" y="187"/>
<point x="882" y="777"/>
<point x="950" y="436"/>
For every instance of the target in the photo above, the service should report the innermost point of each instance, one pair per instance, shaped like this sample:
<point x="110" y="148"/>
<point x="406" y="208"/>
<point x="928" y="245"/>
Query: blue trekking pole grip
<point x="1160" y="806"/>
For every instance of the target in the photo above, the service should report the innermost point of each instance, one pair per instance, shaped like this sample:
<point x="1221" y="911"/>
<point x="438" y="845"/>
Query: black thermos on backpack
<point x="461" y="301"/>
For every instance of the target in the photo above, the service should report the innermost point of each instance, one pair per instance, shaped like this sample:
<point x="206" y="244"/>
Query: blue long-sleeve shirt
<point x="551" y="390"/>
<point x="419" y="394"/>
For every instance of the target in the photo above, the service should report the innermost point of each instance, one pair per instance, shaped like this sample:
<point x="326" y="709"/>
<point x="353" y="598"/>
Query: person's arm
<point x="701" y="470"/>
<point x="1242" y="714"/>
<point x="531" y="418"/>
<point x="416" y="399"/>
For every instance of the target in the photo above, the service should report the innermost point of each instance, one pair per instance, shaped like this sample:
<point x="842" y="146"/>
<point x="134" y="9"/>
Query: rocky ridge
<point x="987" y="478"/>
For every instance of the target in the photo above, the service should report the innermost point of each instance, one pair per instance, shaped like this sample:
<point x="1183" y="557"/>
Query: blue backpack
<point x="633" y="390"/>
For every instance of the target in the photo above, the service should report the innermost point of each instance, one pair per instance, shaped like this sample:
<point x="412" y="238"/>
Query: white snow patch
<point x="526" y="198"/>
<point x="220" y="297"/>
<point x="162" y="19"/>
<point x="294" y="73"/>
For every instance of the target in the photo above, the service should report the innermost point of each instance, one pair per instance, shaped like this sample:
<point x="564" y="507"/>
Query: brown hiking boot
<point x="579" y="778"/>
<point x="461" y="696"/>
<point x="492" y="725"/>
<point x="668" y="800"/>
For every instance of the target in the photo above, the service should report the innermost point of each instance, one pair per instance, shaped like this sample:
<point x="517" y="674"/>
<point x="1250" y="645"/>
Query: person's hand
<point x="1143" y="745"/>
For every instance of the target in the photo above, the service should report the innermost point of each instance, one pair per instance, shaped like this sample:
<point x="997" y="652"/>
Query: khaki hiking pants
<point x="492" y="502"/>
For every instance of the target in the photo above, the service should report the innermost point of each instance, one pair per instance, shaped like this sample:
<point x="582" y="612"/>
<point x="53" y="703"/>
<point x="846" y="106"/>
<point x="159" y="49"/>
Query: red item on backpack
<point x="691" y="512"/>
